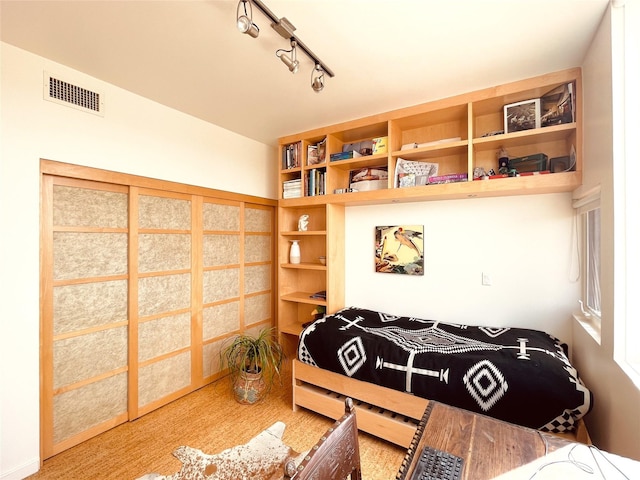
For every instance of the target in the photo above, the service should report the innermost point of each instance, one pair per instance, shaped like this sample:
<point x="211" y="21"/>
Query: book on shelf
<point x="291" y="156"/>
<point x="344" y="155"/>
<point x="316" y="153"/>
<point x="315" y="182"/>
<point x="321" y="294"/>
<point x="448" y="178"/>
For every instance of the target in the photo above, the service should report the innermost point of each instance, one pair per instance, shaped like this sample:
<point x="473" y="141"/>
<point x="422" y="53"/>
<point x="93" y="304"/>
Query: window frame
<point x="626" y="171"/>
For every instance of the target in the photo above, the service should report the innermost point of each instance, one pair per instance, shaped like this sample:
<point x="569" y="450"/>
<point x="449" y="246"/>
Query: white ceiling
<point x="386" y="54"/>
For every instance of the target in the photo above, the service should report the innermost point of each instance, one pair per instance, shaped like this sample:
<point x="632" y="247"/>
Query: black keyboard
<point x="435" y="464"/>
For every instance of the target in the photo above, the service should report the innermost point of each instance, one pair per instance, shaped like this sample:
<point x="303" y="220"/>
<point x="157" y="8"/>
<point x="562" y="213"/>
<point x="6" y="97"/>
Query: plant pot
<point x="249" y="388"/>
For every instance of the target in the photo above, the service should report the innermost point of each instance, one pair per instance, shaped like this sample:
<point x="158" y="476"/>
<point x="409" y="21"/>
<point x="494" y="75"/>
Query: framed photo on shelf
<point x="522" y="116"/>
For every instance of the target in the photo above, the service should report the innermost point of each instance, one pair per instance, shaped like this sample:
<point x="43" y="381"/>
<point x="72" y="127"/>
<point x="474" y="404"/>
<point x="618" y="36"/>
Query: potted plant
<point x="254" y="364"/>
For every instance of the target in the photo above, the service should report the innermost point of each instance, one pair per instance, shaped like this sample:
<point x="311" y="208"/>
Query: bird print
<point x="405" y="237"/>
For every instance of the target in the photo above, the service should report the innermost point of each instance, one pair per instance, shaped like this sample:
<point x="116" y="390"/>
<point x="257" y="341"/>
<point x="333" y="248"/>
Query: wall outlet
<point x="486" y="279"/>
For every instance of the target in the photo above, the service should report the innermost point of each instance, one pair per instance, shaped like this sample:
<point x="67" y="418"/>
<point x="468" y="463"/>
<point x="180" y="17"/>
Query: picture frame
<point x="399" y="249"/>
<point x="523" y="115"/>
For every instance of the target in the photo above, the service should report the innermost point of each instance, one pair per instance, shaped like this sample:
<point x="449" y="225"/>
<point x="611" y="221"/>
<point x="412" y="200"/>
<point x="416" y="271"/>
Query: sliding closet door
<point x="161" y="298"/>
<point x="258" y="266"/>
<point x="222" y="251"/>
<point x="237" y="251"/>
<point x="140" y="286"/>
<point x="84" y="310"/>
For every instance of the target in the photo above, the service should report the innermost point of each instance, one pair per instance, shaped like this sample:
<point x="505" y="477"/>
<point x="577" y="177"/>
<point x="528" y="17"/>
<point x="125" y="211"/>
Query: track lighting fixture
<point x="317" y="78"/>
<point x="291" y="62"/>
<point x="245" y="22"/>
<point x="285" y="29"/>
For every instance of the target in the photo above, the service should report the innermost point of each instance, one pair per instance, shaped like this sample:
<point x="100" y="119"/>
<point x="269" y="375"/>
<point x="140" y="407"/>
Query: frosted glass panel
<point x="221" y="285"/>
<point x="211" y="358"/>
<point x="87" y="356"/>
<point x="221" y="250"/>
<point x="220" y="319"/>
<point x="81" y="207"/>
<point x="257" y="248"/>
<point x="165" y="293"/>
<point x="163" y="335"/>
<point x="257" y="220"/>
<point x="221" y="217"/>
<point x="257" y="308"/>
<point x="87" y="305"/>
<point x="162" y="252"/>
<point x="78" y="410"/>
<point x="166" y="213"/>
<point x="162" y="378"/>
<point x="257" y="278"/>
<point x="82" y="255"/>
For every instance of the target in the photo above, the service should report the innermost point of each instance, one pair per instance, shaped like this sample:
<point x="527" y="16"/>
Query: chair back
<point x="336" y="456"/>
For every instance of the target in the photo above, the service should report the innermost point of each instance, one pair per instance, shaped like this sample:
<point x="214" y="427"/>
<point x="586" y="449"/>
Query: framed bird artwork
<point x="400" y="249"/>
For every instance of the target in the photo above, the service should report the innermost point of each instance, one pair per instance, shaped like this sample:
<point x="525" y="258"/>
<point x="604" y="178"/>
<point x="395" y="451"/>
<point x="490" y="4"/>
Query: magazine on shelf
<point x="292" y="188"/>
<point x="316" y="153"/>
<point x="410" y="173"/>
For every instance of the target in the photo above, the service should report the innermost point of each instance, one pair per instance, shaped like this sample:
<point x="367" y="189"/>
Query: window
<point x="591" y="294"/>
<point x="626" y="199"/>
<point x="587" y="207"/>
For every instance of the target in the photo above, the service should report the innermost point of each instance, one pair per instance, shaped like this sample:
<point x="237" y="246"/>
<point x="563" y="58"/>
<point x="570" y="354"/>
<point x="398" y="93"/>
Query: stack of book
<point x="292" y="188"/>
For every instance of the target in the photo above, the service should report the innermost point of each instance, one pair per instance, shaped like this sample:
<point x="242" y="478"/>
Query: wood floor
<point x="210" y="420"/>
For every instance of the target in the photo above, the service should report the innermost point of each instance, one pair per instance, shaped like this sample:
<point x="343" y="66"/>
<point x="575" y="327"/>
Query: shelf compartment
<point x="525" y="137"/>
<point x="367" y="161"/>
<point x="555" y="141"/>
<point x="359" y="133"/>
<point x="305" y="233"/>
<point x="303" y="297"/>
<point x="431" y="126"/>
<point x="291" y="329"/>
<point x="433" y="151"/>
<point x="304" y="266"/>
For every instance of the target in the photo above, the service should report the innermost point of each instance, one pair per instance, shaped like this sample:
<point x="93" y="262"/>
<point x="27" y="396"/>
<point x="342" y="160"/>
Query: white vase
<point x="294" y="252"/>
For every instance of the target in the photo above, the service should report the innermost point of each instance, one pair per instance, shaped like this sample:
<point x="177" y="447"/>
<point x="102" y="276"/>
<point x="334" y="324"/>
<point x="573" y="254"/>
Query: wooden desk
<point x="488" y="446"/>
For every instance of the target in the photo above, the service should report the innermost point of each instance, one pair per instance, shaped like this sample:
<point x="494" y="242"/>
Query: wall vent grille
<point x="65" y="93"/>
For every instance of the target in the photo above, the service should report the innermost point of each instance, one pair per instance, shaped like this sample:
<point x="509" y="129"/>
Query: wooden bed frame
<point x="385" y="413"/>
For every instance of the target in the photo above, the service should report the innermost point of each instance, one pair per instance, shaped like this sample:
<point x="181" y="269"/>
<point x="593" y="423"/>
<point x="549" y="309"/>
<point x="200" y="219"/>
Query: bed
<point x="392" y="365"/>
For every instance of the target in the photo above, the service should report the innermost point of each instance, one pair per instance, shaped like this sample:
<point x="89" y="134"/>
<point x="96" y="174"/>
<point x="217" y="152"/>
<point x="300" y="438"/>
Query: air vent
<point x="65" y="93"/>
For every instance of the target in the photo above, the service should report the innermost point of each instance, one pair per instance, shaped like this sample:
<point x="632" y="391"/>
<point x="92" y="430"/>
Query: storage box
<point x="380" y="145"/>
<point x="531" y="163"/>
<point x="344" y="155"/>
<point x="522" y="115"/>
<point x="367" y="185"/>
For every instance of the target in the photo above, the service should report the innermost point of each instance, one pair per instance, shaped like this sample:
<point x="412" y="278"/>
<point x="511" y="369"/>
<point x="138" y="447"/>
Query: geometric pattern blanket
<point x="519" y="375"/>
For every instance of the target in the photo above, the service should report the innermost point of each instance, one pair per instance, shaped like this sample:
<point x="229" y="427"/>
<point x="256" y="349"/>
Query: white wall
<point x="614" y="423"/>
<point x="523" y="243"/>
<point x="135" y="136"/>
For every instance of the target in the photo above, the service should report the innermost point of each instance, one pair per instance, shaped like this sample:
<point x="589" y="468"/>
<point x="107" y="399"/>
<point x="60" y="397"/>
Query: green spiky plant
<point x="253" y="354"/>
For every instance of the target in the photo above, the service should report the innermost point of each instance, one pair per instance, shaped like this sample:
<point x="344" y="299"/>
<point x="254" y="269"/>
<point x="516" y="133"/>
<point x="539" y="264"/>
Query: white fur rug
<point x="261" y="458"/>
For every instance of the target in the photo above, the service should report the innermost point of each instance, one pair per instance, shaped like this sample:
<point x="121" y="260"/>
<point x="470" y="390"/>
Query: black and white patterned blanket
<point x="518" y="375"/>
